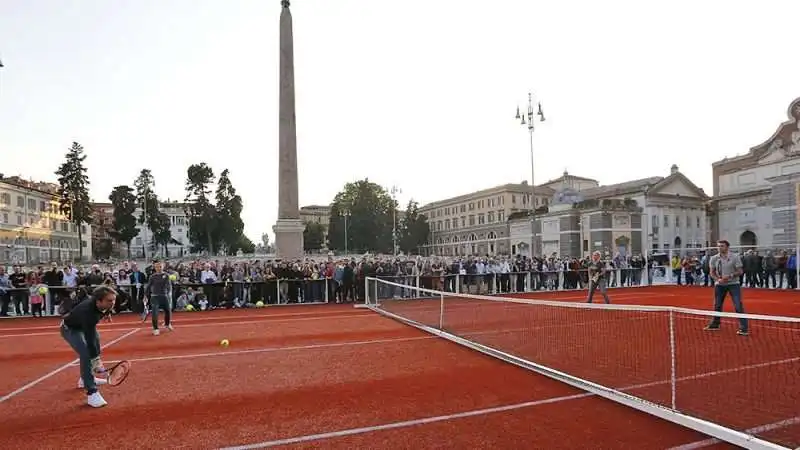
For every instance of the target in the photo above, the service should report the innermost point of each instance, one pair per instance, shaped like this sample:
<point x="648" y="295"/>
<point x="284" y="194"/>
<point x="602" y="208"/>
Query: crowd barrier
<point x="320" y="291"/>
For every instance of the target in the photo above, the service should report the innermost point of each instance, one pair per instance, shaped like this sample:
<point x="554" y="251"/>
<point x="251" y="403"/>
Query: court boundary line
<point x="142" y="325"/>
<point x="759" y="429"/>
<point x="58" y="370"/>
<point x="210" y="318"/>
<point x="406" y="423"/>
<point x="341" y="344"/>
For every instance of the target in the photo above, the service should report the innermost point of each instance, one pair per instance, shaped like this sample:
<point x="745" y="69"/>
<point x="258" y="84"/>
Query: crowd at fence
<point x="204" y="285"/>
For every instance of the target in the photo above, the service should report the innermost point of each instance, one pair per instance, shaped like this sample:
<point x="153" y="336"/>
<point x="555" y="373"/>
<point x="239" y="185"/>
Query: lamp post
<point x="530" y="125"/>
<point x="345" y="214"/>
<point x="395" y="190"/>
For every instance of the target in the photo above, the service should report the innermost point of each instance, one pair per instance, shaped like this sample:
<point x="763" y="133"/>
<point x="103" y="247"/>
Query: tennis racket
<point x="146" y="312"/>
<point x="117" y="373"/>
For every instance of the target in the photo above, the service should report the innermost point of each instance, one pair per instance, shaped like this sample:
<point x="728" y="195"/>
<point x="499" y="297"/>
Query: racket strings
<point x="119" y="373"/>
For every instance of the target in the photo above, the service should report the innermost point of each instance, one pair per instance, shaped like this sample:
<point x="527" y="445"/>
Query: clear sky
<point x="418" y="94"/>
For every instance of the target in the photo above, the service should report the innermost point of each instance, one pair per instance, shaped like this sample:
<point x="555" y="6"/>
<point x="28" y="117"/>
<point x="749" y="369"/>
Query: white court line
<point x="275" y="349"/>
<point x="221" y="319"/>
<point x="342" y="344"/>
<point x="755" y="430"/>
<point x="122" y="326"/>
<point x="481" y="412"/>
<point x="58" y="370"/>
<point x="407" y="423"/>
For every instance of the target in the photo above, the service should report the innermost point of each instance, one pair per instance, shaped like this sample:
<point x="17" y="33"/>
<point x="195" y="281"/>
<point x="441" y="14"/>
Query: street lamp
<point x="530" y="125"/>
<point x="395" y="190"/>
<point x="345" y="214"/>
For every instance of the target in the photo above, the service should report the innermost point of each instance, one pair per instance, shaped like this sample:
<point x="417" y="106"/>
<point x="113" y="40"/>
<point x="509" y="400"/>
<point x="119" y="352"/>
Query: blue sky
<point x="416" y="94"/>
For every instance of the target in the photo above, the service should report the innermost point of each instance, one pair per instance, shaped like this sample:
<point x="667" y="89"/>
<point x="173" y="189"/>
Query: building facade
<point x="103" y="223"/>
<point x="756" y="194"/>
<point x="32" y="228"/>
<point x="476" y="223"/>
<point x="648" y="215"/>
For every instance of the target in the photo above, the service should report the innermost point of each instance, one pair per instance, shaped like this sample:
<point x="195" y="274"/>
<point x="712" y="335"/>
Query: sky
<point x="421" y="95"/>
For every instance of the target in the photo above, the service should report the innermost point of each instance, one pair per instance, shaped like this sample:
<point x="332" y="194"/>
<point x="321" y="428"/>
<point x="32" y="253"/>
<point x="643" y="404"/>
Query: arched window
<point x="473" y="244"/>
<point x="492" y="237"/>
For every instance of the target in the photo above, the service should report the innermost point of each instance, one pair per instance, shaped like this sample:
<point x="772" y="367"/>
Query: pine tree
<point x="229" y="214"/>
<point x="124" y="227"/>
<point x="73" y="191"/>
<point x="201" y="212"/>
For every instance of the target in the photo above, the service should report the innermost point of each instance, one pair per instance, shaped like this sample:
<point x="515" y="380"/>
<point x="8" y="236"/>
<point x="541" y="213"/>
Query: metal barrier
<point x="325" y="290"/>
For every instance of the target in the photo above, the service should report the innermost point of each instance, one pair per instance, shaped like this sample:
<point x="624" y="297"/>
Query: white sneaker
<point x="156" y="332"/>
<point x="96" y="400"/>
<point x="97" y="381"/>
<point x="169" y="327"/>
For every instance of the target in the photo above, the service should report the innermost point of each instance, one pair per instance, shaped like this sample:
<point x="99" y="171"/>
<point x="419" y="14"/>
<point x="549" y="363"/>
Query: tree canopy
<point x="313" y="237"/>
<point x="414" y="229"/>
<point x="124" y="228"/>
<point x="366" y="209"/>
<point x="73" y="191"/>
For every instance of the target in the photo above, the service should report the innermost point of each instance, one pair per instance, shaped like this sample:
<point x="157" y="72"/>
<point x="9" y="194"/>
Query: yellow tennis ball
<point x="224" y="343"/>
<point x="259" y="304"/>
<point x="173" y="277"/>
<point x="42" y="290"/>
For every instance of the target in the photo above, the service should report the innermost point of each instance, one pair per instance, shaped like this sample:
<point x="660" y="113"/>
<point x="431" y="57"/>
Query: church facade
<point x="756" y="195"/>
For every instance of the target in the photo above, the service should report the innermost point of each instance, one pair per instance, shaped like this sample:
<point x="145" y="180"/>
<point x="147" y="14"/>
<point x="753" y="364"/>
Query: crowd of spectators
<point x="210" y="284"/>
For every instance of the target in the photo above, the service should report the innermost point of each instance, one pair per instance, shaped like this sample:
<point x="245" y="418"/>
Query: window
<point x="472" y="206"/>
<point x="20" y="201"/>
<point x="677" y="221"/>
<point x="455" y="223"/>
<point x="83" y="230"/>
<point x="463" y="208"/>
<point x="139" y="240"/>
<point x="42" y="206"/>
<point x="54" y="225"/>
<point x="5" y="199"/>
<point x="490" y="215"/>
<point x="513" y="199"/>
<point x="698" y="221"/>
<point x="688" y="222"/>
<point x="5" y="217"/>
<point x="666" y="221"/>
<point x="65" y="227"/>
<point x="471" y="220"/>
<point x="31" y="220"/>
<point x="481" y="219"/>
<point x="32" y="204"/>
<point x="446" y="225"/>
<point x="501" y="216"/>
<point x="463" y="221"/>
<point x="19" y="220"/>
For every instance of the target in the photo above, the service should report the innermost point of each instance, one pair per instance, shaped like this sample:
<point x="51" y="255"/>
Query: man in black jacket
<point x="79" y="329"/>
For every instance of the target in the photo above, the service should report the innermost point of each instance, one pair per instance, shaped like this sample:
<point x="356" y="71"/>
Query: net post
<point x="673" y="361"/>
<point x="441" y="310"/>
<point x="458" y="284"/>
<point x="327" y="299"/>
<point x="278" y="291"/>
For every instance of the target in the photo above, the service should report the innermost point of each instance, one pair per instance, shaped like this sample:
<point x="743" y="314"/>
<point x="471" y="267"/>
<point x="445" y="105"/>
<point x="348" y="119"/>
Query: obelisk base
<point x="289" y="239"/>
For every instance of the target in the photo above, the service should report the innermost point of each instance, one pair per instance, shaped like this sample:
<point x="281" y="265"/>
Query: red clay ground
<point x="351" y="377"/>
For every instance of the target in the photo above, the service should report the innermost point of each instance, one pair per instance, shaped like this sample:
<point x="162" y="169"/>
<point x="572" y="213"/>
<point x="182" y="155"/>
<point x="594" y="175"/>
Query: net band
<point x="656" y="359"/>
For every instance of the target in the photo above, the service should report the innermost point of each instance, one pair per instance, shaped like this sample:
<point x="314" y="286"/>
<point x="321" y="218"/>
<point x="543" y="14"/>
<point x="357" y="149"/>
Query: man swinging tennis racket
<point x="79" y="329"/>
<point x="597" y="277"/>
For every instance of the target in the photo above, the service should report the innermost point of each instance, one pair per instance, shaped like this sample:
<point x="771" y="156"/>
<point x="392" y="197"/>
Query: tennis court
<point x="337" y="377"/>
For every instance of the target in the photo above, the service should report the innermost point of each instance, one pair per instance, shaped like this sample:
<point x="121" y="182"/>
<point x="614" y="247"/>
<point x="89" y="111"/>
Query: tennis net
<point x="740" y="389"/>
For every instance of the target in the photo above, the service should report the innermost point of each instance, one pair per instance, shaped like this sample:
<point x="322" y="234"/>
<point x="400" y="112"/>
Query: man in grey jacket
<point x="158" y="291"/>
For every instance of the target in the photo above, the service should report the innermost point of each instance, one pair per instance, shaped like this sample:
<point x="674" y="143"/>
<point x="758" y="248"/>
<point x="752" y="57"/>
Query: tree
<point x="162" y="232"/>
<point x="369" y="224"/>
<point x="73" y="191"/>
<point x="146" y="196"/>
<point x="313" y="236"/>
<point x="246" y="245"/>
<point x="124" y="227"/>
<point x="201" y="212"/>
<point x="413" y="230"/>
<point x="229" y="214"/>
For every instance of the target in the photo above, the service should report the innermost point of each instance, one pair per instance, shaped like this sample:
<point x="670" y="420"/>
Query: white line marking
<point x="121" y="326"/>
<point x="478" y="412"/>
<point x="58" y="370"/>
<point x="347" y="343"/>
<point x="275" y="349"/>
<point x="407" y="423"/>
<point x="221" y="319"/>
<point x="755" y="430"/>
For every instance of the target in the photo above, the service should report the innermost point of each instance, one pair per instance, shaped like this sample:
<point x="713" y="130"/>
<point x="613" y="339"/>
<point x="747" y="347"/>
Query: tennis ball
<point x="43" y="290"/>
<point x="259" y="304"/>
<point x="224" y="343"/>
<point x="189" y="308"/>
<point x="173" y="277"/>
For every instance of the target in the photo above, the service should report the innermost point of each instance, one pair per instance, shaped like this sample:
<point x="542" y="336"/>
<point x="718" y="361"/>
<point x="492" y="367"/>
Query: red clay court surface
<point x="329" y="377"/>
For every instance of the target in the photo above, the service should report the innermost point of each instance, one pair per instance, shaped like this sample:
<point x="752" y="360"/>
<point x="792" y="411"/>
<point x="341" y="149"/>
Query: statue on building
<point x="794" y="147"/>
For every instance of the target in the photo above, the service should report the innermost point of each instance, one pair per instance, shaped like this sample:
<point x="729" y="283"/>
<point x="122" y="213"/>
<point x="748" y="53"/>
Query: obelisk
<point x="289" y="228"/>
